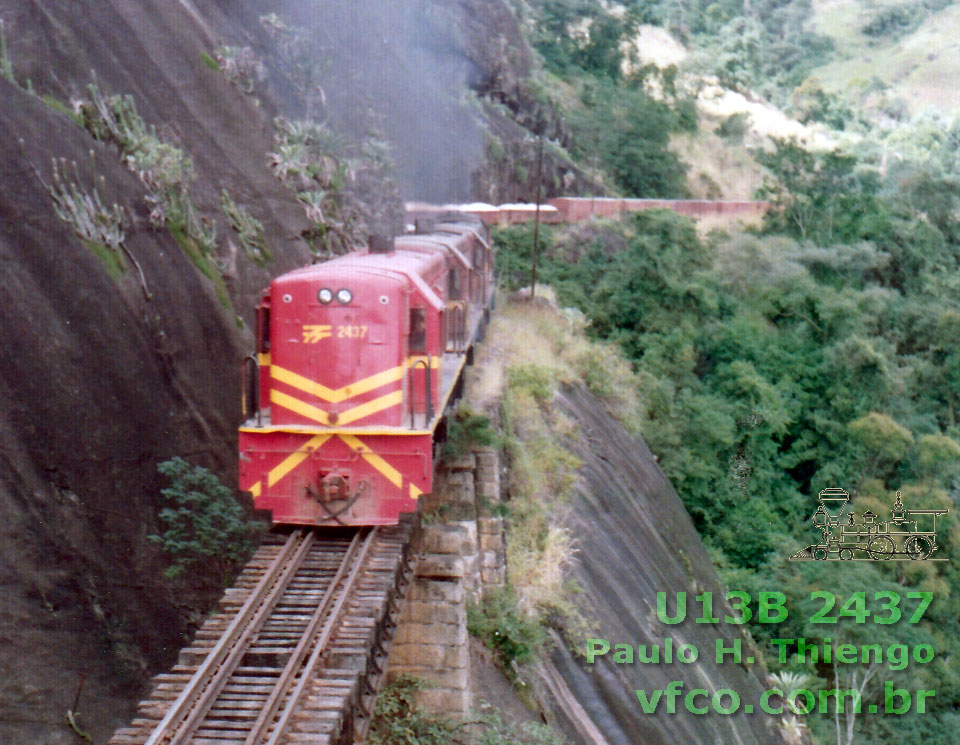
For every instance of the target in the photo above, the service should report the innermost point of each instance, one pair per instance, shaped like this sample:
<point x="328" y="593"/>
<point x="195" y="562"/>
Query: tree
<point x="883" y="442"/>
<point x="817" y="196"/>
<point x="939" y="456"/>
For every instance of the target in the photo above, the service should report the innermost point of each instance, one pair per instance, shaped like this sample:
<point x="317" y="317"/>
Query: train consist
<point x="357" y="361"/>
<point x="581" y="209"/>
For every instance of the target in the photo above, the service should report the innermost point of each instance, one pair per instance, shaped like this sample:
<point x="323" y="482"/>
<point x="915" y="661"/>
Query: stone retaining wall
<point x="462" y="555"/>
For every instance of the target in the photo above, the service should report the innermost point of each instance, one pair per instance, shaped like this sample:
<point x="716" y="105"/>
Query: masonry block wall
<point x="462" y="556"/>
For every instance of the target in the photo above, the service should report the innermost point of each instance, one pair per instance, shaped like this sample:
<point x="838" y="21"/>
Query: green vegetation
<point x="307" y="158"/>
<point x="629" y="132"/>
<point x="734" y="127"/>
<point x="764" y="46"/>
<point x="301" y="62"/>
<point x="6" y="68"/>
<point x="249" y="230"/>
<point x="194" y="250"/>
<point x="398" y="720"/>
<point x="327" y="172"/>
<point x="210" y="61"/>
<point x="101" y="228"/>
<point x="203" y="521"/>
<point x="545" y="348"/>
<point x="58" y="105"/>
<point x="240" y="66"/>
<point x="512" y="636"/>
<point x="821" y="351"/>
<point x="894" y="21"/>
<point x="620" y="116"/>
<point x="163" y="168"/>
<point x="466" y="429"/>
<point x="494" y="731"/>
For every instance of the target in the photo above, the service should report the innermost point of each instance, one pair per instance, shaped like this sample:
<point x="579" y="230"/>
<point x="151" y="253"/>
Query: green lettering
<point x="623" y="654"/>
<point x="722" y="651"/>
<point x="770" y="602"/>
<point x="596" y="648"/>
<point x="649" y="705"/>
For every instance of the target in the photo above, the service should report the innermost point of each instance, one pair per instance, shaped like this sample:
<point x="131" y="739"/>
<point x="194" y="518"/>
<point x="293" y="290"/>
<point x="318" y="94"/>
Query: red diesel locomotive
<point x="357" y="360"/>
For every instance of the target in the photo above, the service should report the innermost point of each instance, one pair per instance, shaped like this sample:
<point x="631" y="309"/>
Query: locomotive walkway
<point x="295" y="653"/>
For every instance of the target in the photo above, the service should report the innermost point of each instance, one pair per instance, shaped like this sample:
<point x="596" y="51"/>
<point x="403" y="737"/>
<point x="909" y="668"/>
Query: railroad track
<point x="296" y="651"/>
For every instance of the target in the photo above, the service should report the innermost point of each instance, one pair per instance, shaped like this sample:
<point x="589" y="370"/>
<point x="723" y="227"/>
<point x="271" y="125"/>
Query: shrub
<point x="535" y="379"/>
<point x="307" y="152"/>
<point x="734" y="127"/>
<point x="6" y="69"/>
<point x="240" y="66"/>
<point x="85" y="212"/>
<point x="894" y="21"/>
<point x="397" y="719"/>
<point x="203" y="520"/>
<point x="164" y="169"/>
<point x="466" y="428"/>
<point x="505" y="630"/>
<point x="248" y="229"/>
<point x="498" y="732"/>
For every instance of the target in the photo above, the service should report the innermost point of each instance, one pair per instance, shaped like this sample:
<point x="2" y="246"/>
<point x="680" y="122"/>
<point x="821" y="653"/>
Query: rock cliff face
<point x="635" y="539"/>
<point x="99" y="383"/>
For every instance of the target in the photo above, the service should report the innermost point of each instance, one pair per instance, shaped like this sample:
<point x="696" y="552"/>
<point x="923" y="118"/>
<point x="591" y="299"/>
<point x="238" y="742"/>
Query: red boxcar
<point x="358" y="359"/>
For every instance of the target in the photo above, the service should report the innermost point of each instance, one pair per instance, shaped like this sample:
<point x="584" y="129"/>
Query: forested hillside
<point x="819" y="351"/>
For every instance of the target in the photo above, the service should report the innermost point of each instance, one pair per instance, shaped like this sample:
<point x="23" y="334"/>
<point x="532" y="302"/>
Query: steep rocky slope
<point x="99" y="381"/>
<point x="594" y="531"/>
<point x="635" y="539"/>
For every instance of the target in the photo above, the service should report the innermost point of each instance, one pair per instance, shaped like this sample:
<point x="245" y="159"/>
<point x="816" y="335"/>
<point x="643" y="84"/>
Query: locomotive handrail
<point x="428" y="389"/>
<point x="250" y="389"/>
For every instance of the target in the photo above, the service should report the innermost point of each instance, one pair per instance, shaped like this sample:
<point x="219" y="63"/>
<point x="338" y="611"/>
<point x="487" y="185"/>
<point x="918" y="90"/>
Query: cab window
<point x="263" y="329"/>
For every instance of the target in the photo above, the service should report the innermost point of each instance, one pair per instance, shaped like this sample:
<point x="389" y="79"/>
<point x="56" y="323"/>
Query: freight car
<point x="357" y="361"/>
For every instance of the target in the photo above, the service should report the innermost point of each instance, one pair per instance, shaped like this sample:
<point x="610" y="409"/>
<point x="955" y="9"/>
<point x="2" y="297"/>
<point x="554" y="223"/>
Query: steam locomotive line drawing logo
<point x="908" y="535"/>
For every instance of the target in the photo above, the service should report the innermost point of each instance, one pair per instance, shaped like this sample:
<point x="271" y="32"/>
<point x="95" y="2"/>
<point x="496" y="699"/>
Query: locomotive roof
<point x="428" y="244"/>
<point x="396" y="265"/>
<point x="395" y="261"/>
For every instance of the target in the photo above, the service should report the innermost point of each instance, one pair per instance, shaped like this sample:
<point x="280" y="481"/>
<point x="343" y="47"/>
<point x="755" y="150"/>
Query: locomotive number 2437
<point x="351" y="332"/>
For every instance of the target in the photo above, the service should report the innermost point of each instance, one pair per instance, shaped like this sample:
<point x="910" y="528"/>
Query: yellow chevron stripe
<point x="295" y="458"/>
<point x="391" y="473"/>
<point x="350" y="415"/>
<point x="341" y="394"/>
<point x="263" y="359"/>
<point x="415" y="493"/>
<point x="299" y="407"/>
<point x="256" y="489"/>
<point x="371" y="407"/>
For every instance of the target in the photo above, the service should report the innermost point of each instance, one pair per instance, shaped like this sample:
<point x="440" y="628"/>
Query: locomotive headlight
<point x="344" y="296"/>
<point x="325" y="295"/>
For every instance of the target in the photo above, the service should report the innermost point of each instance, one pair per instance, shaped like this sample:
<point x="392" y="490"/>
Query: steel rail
<point x="195" y="699"/>
<point x="306" y="676"/>
<point x="293" y="665"/>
